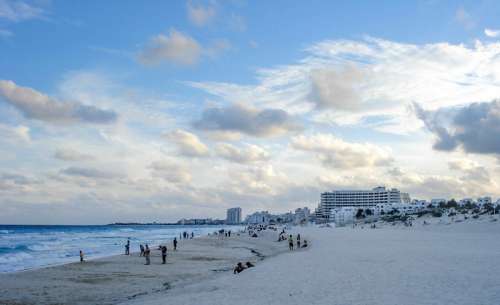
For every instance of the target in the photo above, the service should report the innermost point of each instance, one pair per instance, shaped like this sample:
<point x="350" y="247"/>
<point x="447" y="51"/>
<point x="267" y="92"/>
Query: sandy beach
<point x="440" y="263"/>
<point x="443" y="262"/>
<point x="120" y="278"/>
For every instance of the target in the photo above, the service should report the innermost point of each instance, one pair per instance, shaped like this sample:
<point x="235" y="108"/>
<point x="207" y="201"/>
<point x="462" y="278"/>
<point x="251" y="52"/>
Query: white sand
<point x="435" y="264"/>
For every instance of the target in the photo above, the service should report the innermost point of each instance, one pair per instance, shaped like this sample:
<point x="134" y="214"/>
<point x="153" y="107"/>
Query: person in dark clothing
<point x="249" y="265"/>
<point x="298" y="241"/>
<point x="81" y="256"/>
<point x="127" y="247"/>
<point x="142" y="250"/>
<point x="175" y="244"/>
<point x="290" y="242"/>
<point x="239" y="267"/>
<point x="147" y="253"/>
<point x="164" y="254"/>
<point x="229" y="233"/>
<point x="192" y="235"/>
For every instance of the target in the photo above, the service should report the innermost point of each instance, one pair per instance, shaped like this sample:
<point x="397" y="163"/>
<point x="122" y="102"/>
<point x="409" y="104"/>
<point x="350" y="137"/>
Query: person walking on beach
<point x="81" y="256"/>
<point x="175" y="244"/>
<point x="127" y="247"/>
<point x="164" y="254"/>
<point x="290" y="242"/>
<point x="298" y="241"/>
<point x="192" y="235"/>
<point x="142" y="250"/>
<point x="147" y="252"/>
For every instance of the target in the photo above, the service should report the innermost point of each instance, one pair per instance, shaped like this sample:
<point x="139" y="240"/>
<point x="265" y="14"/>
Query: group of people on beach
<point x="282" y="237"/>
<point x="145" y="251"/>
<point x="240" y="267"/>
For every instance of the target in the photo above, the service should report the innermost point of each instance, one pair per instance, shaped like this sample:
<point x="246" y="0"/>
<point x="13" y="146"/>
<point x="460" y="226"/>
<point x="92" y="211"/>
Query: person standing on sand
<point x="81" y="256"/>
<point x="164" y="254"/>
<point x="298" y="241"/>
<point x="192" y="235"/>
<point x="290" y="242"/>
<point x="142" y="250"/>
<point x="127" y="247"/>
<point x="175" y="244"/>
<point x="147" y="252"/>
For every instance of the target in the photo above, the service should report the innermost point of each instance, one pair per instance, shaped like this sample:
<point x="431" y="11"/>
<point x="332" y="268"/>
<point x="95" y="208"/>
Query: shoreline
<point x="119" y="278"/>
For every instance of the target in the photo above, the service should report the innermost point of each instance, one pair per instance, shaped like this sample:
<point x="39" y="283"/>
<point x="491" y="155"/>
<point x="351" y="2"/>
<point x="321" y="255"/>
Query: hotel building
<point x="360" y="199"/>
<point x="233" y="216"/>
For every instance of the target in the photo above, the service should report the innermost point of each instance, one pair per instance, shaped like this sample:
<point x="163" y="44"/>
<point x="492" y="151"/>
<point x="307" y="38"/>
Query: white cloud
<point x="337" y="90"/>
<point x="19" y="11"/>
<point x="6" y="33"/>
<point x="170" y="171"/>
<point x="176" y="47"/>
<point x="247" y="154"/>
<point x="15" y="133"/>
<point x="393" y="76"/>
<point x="217" y="47"/>
<point x="69" y="154"/>
<point x="187" y="143"/>
<point x="464" y="18"/>
<point x="200" y="15"/>
<point x="36" y="105"/>
<point x="491" y="33"/>
<point x="337" y="153"/>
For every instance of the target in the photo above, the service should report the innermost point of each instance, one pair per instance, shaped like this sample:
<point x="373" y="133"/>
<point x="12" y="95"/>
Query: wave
<point x="5" y="231"/>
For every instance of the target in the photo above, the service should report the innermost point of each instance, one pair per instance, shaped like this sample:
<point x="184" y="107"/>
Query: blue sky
<point x="121" y="111"/>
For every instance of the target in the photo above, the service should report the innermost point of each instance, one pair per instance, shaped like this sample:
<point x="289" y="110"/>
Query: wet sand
<point x="117" y="279"/>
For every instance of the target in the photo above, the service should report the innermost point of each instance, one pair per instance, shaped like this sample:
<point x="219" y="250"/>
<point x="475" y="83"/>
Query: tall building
<point x="360" y="199"/>
<point x="233" y="216"/>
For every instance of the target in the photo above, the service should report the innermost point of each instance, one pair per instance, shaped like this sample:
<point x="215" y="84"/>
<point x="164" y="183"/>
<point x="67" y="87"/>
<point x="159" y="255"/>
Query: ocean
<point x="24" y="247"/>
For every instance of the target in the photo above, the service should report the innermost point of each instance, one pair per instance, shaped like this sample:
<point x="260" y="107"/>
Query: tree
<point x="452" y="203"/>
<point x="359" y="213"/>
<point x="368" y="212"/>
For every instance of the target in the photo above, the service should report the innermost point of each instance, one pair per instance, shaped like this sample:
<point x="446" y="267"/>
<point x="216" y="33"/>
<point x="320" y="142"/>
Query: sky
<point x="116" y="111"/>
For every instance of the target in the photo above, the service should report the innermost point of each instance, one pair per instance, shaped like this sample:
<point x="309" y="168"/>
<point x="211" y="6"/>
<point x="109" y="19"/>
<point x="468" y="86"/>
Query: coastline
<point x="120" y="278"/>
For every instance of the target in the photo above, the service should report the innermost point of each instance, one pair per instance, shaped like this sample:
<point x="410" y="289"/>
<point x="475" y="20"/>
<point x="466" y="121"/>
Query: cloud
<point x="200" y="15"/>
<point x="464" y="18"/>
<point x="237" y="23"/>
<point x="68" y="154"/>
<point x="247" y="154"/>
<point x="250" y="121"/>
<point x="217" y="47"/>
<point x="187" y="143"/>
<point x="491" y="33"/>
<point x="6" y="33"/>
<point x="177" y="48"/>
<point x="35" y="105"/>
<point x="473" y="172"/>
<point x="337" y="90"/>
<point x="391" y="75"/>
<point x="337" y="153"/>
<point x="91" y="173"/>
<point x="17" y="11"/>
<point x="171" y="172"/>
<point x="17" y="133"/>
<point x="475" y="128"/>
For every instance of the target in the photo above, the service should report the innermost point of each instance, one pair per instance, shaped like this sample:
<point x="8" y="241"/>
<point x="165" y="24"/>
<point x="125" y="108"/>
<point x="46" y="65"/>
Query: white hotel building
<point x="360" y="199"/>
<point x="233" y="216"/>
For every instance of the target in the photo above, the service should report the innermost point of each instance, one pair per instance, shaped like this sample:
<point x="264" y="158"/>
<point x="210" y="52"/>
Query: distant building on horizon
<point x="233" y="216"/>
<point x="360" y="199"/>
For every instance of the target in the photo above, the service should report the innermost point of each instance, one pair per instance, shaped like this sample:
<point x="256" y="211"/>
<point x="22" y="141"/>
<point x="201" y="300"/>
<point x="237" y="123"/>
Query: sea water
<point x="29" y="247"/>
